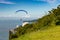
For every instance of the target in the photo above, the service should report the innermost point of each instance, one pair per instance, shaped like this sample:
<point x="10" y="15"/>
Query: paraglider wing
<point x="22" y="10"/>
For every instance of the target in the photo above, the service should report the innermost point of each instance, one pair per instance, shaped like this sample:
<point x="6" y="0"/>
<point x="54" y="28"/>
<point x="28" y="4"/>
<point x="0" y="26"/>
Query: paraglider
<point x="26" y="16"/>
<point x="22" y="10"/>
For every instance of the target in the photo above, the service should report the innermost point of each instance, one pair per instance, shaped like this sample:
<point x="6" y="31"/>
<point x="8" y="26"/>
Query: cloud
<point x="6" y="2"/>
<point x="48" y="1"/>
<point x="26" y="16"/>
<point x="51" y="1"/>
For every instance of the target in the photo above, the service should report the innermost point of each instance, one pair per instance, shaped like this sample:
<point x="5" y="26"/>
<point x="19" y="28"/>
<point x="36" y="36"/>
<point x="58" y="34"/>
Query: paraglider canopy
<point x="22" y="10"/>
<point x="26" y="16"/>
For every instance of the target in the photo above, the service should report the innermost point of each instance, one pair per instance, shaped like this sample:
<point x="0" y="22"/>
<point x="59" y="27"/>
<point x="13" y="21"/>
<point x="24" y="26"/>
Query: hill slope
<point x="52" y="33"/>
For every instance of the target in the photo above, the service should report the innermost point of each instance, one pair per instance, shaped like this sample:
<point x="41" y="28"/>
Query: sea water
<point x="5" y="26"/>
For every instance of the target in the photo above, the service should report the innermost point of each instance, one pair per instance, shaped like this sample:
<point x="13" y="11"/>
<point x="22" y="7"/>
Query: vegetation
<point x="52" y="33"/>
<point x="36" y="29"/>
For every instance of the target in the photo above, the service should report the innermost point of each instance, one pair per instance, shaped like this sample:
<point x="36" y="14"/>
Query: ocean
<point x="5" y="26"/>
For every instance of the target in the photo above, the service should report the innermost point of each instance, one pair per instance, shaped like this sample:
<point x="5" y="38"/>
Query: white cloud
<point x="26" y="16"/>
<point x="49" y="1"/>
<point x="6" y="2"/>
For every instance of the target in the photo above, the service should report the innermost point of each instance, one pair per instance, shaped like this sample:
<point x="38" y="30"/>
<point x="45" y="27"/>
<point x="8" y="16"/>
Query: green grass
<point x="52" y="33"/>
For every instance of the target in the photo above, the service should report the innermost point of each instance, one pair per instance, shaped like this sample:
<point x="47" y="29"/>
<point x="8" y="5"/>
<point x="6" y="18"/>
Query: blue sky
<point x="35" y="8"/>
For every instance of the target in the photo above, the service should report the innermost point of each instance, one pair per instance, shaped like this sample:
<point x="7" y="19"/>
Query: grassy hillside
<point x="52" y="33"/>
<point x="45" y="28"/>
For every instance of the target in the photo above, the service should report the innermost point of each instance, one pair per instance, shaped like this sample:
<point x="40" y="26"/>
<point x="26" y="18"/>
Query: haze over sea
<point x="5" y="25"/>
